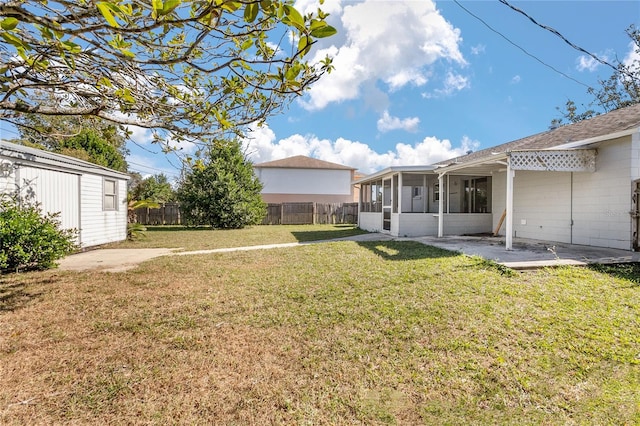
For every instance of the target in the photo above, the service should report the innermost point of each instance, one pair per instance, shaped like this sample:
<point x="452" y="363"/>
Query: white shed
<point x="89" y="197"/>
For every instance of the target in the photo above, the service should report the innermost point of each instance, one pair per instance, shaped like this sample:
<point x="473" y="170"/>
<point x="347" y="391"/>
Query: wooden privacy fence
<point x="310" y="213"/>
<point x="167" y="214"/>
<point x="277" y="214"/>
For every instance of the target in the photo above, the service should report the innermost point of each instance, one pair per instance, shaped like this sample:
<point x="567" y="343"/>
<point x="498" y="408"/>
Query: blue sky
<point x="416" y="82"/>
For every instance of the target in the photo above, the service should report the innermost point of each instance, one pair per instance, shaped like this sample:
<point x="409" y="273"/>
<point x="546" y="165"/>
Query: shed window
<point x="110" y="194"/>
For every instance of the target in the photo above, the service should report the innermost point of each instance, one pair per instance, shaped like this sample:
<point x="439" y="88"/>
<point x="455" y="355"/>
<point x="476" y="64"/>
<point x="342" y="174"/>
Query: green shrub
<point x="30" y="239"/>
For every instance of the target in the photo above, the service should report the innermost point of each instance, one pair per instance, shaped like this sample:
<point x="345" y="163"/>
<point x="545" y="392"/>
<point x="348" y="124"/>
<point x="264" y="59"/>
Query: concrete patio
<point x="529" y="254"/>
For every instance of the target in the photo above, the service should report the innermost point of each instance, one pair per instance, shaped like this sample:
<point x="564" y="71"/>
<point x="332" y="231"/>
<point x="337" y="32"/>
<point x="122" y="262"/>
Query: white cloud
<point x="587" y="63"/>
<point x="263" y="146"/>
<point x="633" y="56"/>
<point x="452" y="83"/>
<point x="395" y="42"/>
<point x="477" y="50"/>
<point x="516" y="79"/>
<point x="387" y="123"/>
<point x="139" y="135"/>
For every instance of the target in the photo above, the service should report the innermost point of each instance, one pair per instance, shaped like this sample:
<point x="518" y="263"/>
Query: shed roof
<point x="33" y="155"/>
<point x="302" y="162"/>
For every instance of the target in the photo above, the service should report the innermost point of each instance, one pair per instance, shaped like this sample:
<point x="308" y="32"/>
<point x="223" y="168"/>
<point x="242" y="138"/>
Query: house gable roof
<point x="620" y="120"/>
<point x="302" y="162"/>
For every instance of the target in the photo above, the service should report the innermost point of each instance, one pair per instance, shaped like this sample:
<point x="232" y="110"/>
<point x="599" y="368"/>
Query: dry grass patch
<point x="340" y="333"/>
<point x="205" y="238"/>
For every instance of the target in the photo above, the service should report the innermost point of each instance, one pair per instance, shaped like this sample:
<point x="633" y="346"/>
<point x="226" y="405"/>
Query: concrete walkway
<point x="121" y="260"/>
<point x="526" y="254"/>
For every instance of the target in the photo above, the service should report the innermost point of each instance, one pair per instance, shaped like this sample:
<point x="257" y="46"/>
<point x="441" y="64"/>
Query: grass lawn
<point x="336" y="333"/>
<point x="204" y="239"/>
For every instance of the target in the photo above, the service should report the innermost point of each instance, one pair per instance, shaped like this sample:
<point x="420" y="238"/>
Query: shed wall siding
<point x="57" y="192"/>
<point x="100" y="226"/>
<point x="305" y="181"/>
<point x="7" y="183"/>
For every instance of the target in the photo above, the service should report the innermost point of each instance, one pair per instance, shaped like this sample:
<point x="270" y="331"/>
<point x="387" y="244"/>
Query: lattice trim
<point x="579" y="160"/>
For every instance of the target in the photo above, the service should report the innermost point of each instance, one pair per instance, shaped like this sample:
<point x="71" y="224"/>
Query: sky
<point x="417" y="82"/>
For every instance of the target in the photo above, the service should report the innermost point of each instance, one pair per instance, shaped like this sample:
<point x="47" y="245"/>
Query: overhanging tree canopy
<point x="192" y="69"/>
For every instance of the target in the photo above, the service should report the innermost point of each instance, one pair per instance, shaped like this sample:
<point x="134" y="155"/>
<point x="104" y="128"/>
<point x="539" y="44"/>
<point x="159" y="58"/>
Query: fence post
<point x="313" y="213"/>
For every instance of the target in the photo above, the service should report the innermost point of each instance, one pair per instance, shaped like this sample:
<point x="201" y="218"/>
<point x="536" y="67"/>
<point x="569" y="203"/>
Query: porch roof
<point x="393" y="170"/>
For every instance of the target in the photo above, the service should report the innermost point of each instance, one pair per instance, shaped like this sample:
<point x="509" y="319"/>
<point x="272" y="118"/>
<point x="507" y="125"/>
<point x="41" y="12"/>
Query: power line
<point x="563" y="38"/>
<point x="151" y="168"/>
<point x="519" y="47"/>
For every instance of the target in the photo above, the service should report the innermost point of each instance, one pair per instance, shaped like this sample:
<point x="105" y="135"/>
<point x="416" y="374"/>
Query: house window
<point x="476" y="195"/>
<point x="110" y="194"/>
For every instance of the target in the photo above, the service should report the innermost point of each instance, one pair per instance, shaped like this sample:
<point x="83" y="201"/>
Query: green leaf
<point x="105" y="10"/>
<point x="266" y="5"/>
<point x="157" y="8"/>
<point x="326" y="31"/>
<point x="8" y="24"/>
<point x="104" y="81"/>
<point x="71" y="47"/>
<point x="293" y="72"/>
<point x="169" y="6"/>
<point x="251" y="12"/>
<point x="304" y="45"/>
<point x="231" y="6"/>
<point x="295" y="17"/>
<point x="247" y="44"/>
<point x="15" y="41"/>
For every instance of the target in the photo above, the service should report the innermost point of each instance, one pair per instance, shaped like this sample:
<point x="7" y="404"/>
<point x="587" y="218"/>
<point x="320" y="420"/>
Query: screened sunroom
<point x="408" y="201"/>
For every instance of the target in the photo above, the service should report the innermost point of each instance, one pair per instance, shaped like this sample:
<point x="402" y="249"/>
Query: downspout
<point x="509" y="206"/>
<point x="440" y="206"/>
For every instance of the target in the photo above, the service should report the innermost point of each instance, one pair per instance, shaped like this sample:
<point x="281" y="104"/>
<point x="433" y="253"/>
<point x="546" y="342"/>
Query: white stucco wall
<point x="466" y="223"/>
<point x="305" y="181"/>
<point x="417" y="225"/>
<point x="101" y="226"/>
<point x="371" y="222"/>
<point x="602" y="200"/>
<point x="598" y="204"/>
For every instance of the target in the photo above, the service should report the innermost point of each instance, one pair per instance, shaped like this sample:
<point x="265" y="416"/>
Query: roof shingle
<point x="615" y="121"/>
<point x="302" y="162"/>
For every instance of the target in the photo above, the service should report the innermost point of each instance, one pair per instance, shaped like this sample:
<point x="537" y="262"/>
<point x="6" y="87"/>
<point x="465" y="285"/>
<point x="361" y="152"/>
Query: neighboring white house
<point x="90" y="198"/>
<point x="577" y="184"/>
<point x="305" y="179"/>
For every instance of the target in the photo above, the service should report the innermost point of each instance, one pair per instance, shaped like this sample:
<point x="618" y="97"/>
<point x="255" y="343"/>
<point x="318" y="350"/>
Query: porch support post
<point x="509" y="207"/>
<point x="440" y="206"/>
<point x="399" y="193"/>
